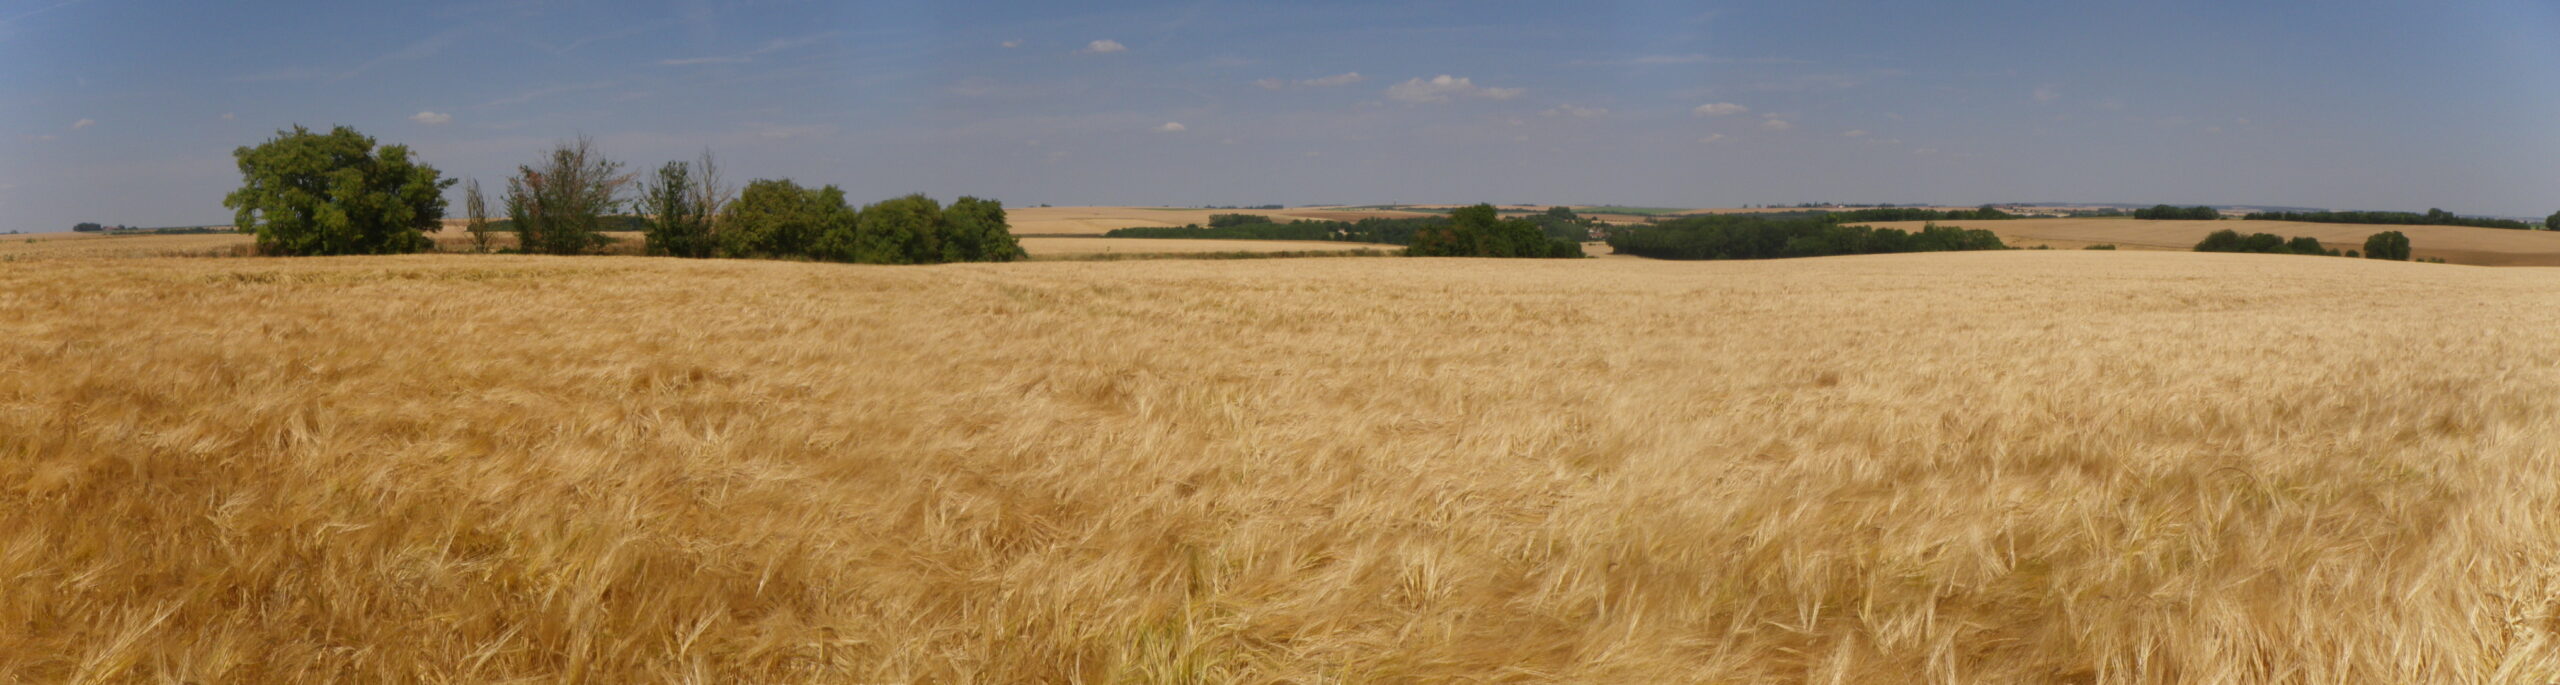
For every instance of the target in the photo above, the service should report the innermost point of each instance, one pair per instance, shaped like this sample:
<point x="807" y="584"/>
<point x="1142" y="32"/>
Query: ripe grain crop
<point x="2090" y="467"/>
<point x="2456" y="244"/>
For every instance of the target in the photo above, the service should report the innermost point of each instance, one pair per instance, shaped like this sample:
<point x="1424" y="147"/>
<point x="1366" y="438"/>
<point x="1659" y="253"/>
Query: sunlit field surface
<point x="2076" y="467"/>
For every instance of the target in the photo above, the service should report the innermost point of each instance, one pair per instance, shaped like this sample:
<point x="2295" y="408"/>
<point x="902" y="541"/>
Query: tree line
<point x="2433" y="217"/>
<point x="1745" y="236"/>
<point x="336" y="193"/>
<point x="1476" y="231"/>
<point x="2168" y="213"/>
<point x="1983" y="213"/>
<point x="2385" y="245"/>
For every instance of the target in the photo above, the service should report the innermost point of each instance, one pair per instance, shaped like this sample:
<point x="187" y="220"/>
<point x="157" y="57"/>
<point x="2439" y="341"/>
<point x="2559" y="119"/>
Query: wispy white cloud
<point x="2046" y="94"/>
<point x="84" y="123"/>
<point x="432" y="118"/>
<point x="1776" y="122"/>
<point x="1172" y="127"/>
<point x="1011" y="44"/>
<point x="1444" y="87"/>
<point x="1577" y="112"/>
<point x="1104" y="47"/>
<point x="1717" y="109"/>
<point x="769" y="47"/>
<point x="1343" y="79"/>
<point x="539" y="93"/>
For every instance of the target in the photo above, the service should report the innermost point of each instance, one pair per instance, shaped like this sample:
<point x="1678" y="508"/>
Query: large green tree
<point x="901" y="230"/>
<point x="779" y="218"/>
<point x="2387" y="245"/>
<point x="974" y="230"/>
<point x="559" y="207"/>
<point x="2552" y="223"/>
<point x="305" y="193"/>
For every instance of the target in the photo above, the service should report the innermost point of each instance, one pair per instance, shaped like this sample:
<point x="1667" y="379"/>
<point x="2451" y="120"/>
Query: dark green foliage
<point x="561" y="206"/>
<point x="2387" y="245"/>
<point x="1860" y="216"/>
<point x="1480" y="231"/>
<point x="781" y="219"/>
<point x="678" y="223"/>
<point x="2108" y="246"/>
<point x="974" y="230"/>
<point x="902" y="230"/>
<point x="1228" y="220"/>
<point x="2352" y="254"/>
<point x="2553" y="223"/>
<point x="307" y="193"/>
<point x="2433" y="217"/>
<point x="91" y="227"/>
<point x="1561" y="223"/>
<point x="2227" y="240"/>
<point x="2197" y="213"/>
<point x="1748" y="236"/>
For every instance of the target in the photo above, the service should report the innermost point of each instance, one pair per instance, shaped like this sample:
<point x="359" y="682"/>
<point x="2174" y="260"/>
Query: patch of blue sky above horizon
<point x="126" y="111"/>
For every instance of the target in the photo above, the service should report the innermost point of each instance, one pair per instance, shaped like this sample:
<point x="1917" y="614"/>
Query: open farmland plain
<point x="2455" y="244"/>
<point x="1960" y="467"/>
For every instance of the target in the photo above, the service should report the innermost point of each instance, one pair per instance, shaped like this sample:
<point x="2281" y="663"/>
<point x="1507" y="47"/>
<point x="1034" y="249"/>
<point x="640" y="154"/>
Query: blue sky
<point x="126" y="111"/>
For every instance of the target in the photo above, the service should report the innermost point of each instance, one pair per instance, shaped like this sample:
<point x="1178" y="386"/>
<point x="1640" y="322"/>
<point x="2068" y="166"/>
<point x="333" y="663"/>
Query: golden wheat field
<point x="2456" y="244"/>
<point x="2073" y="467"/>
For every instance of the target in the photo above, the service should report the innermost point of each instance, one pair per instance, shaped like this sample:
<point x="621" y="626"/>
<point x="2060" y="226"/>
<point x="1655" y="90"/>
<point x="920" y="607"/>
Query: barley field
<point x="2455" y="244"/>
<point x="2052" y="467"/>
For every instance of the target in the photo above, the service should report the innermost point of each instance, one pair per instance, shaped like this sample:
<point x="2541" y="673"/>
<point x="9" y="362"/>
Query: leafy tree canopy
<point x="335" y="193"/>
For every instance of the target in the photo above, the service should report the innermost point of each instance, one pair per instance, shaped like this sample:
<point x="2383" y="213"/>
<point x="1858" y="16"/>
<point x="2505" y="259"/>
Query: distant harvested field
<point x="93" y="246"/>
<point x="2456" y="244"/>
<point x="1099" y="220"/>
<point x="1040" y="247"/>
<point x="1996" y="467"/>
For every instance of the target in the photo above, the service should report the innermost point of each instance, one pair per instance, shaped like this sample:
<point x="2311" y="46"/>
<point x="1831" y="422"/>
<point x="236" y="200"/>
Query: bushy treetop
<point x="305" y="193"/>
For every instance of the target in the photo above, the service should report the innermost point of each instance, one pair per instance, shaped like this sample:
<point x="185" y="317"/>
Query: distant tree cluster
<point x="337" y="193"/>
<point x="782" y="219"/>
<point x="1748" y="236"/>
<point x="88" y="227"/>
<point x="1464" y="233"/>
<point x="2227" y="240"/>
<point x="1480" y="231"/>
<point x="2385" y="245"/>
<point x="1236" y="207"/>
<point x="2166" y="212"/>
<point x="306" y="193"/>
<point x="2553" y="223"/>
<point x="2433" y="217"/>
<point x="1859" y="216"/>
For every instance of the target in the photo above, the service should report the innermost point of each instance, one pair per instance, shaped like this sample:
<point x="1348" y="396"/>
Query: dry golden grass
<point x="1982" y="467"/>
<point x="2456" y="244"/>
